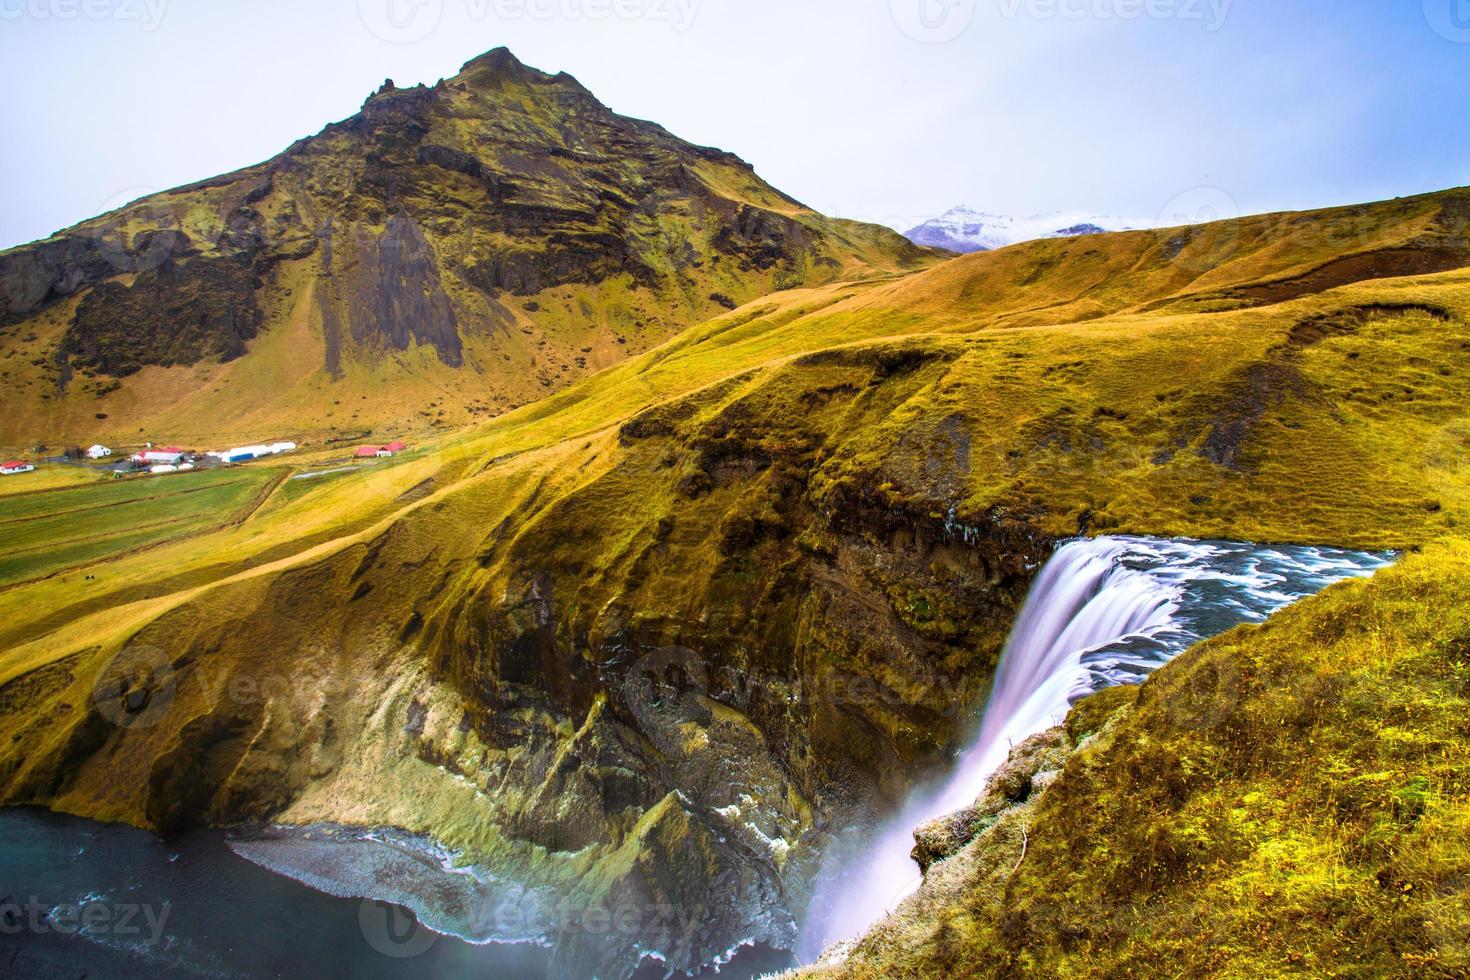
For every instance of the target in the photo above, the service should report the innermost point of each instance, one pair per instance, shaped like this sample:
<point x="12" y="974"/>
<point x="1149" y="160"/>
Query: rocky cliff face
<point x="503" y="221"/>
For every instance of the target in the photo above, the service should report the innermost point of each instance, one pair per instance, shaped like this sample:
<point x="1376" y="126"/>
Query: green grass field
<point x="294" y="489"/>
<point x="42" y="533"/>
<point x="51" y="476"/>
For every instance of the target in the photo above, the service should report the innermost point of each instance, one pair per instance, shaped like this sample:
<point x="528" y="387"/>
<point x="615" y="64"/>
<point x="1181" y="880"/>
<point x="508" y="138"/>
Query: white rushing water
<point x="1103" y="612"/>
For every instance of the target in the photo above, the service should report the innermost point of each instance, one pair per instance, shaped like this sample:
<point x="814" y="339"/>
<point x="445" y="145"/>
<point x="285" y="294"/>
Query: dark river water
<point x="82" y="899"/>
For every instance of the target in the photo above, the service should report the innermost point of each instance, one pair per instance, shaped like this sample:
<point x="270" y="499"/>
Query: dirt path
<point x="259" y="500"/>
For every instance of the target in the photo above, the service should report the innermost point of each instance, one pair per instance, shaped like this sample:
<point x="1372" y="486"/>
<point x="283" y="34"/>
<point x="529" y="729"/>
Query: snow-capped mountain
<point x="964" y="229"/>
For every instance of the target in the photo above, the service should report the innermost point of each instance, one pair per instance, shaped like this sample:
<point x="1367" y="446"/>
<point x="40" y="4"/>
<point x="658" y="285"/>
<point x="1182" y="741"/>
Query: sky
<point x="884" y="110"/>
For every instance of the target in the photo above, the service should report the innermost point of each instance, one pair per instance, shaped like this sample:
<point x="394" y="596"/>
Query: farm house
<point x="383" y="452"/>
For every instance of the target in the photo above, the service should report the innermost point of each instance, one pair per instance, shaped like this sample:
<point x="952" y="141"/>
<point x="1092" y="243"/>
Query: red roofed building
<point x="392" y="449"/>
<point x="15" y="466"/>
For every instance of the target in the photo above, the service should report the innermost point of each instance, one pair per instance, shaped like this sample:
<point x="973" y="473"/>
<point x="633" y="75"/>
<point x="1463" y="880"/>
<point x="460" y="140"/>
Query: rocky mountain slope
<point x="448" y="253"/>
<point x="655" y="639"/>
<point x="966" y="230"/>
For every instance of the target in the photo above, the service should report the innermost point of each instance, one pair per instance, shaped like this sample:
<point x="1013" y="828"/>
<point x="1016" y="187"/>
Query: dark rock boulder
<point x="34" y="277"/>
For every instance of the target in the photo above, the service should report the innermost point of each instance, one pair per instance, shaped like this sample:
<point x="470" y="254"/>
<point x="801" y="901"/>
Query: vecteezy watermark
<point x="394" y="931"/>
<point x="1449" y="18"/>
<point x="401" y="21"/>
<point x="1443" y="458"/>
<point x="397" y="933"/>
<point x="1211" y="13"/>
<point x="131" y="921"/>
<point x="147" y="13"/>
<point x="136" y="688"/>
<point x="410" y="21"/>
<point x="669" y="686"/>
<point x="1197" y="206"/>
<point x="933" y="21"/>
<point x="679" y="13"/>
<point x="1191" y="248"/>
<point x="125" y="196"/>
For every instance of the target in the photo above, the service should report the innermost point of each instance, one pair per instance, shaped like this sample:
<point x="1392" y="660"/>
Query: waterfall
<point x="1103" y="612"/>
<point x="1084" y="600"/>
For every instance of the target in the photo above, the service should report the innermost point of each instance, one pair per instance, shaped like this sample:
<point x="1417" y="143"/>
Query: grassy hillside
<point x="818" y="512"/>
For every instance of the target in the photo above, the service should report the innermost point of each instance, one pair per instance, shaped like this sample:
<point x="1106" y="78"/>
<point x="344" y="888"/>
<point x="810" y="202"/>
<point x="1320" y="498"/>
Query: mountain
<point x="966" y="230"/>
<point x="448" y="253"/>
<point x="661" y="638"/>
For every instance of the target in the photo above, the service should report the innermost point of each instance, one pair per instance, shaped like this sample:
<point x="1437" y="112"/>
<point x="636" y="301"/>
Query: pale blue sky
<point x="889" y="110"/>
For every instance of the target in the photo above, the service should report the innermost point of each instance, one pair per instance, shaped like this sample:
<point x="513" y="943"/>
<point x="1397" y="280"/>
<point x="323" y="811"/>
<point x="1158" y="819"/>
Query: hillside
<point x="658" y="636"/>
<point x="447" y="254"/>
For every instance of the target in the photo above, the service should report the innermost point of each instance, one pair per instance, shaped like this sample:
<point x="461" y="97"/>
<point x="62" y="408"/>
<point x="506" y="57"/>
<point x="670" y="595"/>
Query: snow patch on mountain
<point x="964" y="229"/>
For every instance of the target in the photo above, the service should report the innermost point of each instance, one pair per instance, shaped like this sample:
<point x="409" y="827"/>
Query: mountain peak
<point x="444" y="218"/>
<point x="965" y="211"/>
<point x="499" y="65"/>
<point x="500" y="60"/>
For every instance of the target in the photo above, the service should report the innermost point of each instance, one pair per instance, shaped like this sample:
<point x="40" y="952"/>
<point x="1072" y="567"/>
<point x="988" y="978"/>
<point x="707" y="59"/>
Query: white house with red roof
<point x="168" y="455"/>
<point x="391" y="449"/>
<point x="15" y="467"/>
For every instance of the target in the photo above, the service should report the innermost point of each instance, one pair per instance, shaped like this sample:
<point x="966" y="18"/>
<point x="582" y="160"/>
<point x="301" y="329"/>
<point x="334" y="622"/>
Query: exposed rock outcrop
<point x="174" y="313"/>
<point x="663" y="638"/>
<point x="1030" y="768"/>
<point x="667" y="706"/>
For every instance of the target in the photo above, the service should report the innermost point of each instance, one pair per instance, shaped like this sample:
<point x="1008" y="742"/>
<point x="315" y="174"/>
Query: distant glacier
<point x="964" y="229"/>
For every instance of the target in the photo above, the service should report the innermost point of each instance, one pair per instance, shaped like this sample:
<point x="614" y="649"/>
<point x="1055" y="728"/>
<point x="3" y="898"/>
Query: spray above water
<point x="1103" y="612"/>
